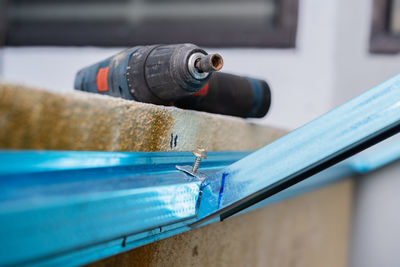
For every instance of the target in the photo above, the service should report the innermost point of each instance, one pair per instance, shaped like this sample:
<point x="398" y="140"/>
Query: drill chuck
<point x="201" y="65"/>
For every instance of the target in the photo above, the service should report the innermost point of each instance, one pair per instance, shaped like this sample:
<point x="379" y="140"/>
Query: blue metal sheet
<point x="376" y="156"/>
<point x="100" y="250"/>
<point x="57" y="202"/>
<point x="28" y="161"/>
<point x="354" y="126"/>
<point x="369" y="160"/>
<point x="67" y="245"/>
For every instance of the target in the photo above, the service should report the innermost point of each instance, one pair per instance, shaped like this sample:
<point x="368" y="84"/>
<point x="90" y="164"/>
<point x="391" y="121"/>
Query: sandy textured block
<point x="82" y="121"/>
<point x="310" y="230"/>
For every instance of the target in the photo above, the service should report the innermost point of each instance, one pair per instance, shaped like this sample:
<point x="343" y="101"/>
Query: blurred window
<point x="395" y="17"/>
<point x="262" y="23"/>
<point x="385" y="31"/>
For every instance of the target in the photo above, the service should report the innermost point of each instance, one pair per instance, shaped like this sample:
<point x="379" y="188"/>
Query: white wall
<point x="356" y="70"/>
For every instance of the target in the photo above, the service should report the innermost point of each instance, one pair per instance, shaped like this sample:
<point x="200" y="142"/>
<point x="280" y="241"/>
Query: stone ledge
<point x="35" y="119"/>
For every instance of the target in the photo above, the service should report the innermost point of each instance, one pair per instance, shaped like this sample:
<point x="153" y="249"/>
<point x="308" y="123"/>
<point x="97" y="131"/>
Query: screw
<point x="199" y="153"/>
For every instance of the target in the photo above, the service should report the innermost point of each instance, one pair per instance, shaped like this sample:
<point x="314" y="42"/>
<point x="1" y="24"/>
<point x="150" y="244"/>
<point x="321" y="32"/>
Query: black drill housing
<point x="157" y="74"/>
<point x="160" y="75"/>
<point x="233" y="95"/>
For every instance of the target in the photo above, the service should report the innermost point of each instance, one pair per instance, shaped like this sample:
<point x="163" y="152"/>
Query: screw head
<point x="200" y="152"/>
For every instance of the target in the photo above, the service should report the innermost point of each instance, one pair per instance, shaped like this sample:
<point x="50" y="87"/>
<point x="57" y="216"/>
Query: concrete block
<point x="34" y="119"/>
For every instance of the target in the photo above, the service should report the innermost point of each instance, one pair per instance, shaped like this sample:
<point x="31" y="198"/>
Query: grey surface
<point x="376" y="234"/>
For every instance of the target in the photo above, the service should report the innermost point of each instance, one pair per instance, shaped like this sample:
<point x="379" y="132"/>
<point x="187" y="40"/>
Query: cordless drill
<point x="183" y="75"/>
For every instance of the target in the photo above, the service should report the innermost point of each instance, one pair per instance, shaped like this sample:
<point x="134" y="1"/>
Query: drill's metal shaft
<point x="209" y="63"/>
<point x="201" y="65"/>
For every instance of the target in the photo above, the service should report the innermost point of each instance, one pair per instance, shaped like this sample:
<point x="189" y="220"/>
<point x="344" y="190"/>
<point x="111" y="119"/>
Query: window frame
<point x="281" y="36"/>
<point x="381" y="40"/>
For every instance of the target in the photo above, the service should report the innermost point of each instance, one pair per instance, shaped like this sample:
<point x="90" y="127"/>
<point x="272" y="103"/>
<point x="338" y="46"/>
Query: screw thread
<point x="196" y="164"/>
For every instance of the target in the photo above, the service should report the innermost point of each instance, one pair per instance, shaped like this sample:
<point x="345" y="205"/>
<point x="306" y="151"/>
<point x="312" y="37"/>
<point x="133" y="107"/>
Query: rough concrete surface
<point x="310" y="230"/>
<point x="35" y="119"/>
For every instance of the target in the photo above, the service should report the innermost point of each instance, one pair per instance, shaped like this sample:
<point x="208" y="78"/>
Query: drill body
<point x="183" y="75"/>
<point x="107" y="76"/>
<point x="157" y="74"/>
